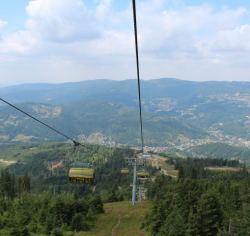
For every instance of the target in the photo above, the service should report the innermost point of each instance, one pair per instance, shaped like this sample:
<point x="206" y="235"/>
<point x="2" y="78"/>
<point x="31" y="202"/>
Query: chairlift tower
<point x="135" y="162"/>
<point x="141" y="192"/>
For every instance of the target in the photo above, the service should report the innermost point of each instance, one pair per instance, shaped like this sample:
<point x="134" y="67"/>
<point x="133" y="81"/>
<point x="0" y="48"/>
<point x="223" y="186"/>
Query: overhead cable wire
<point x="41" y="122"/>
<point x="138" y="73"/>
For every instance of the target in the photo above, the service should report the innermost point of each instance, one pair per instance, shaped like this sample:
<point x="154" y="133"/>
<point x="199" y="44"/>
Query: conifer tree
<point x="209" y="214"/>
<point x="193" y="226"/>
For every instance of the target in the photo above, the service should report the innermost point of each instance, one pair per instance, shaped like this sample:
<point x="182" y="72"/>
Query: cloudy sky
<point x="72" y="40"/>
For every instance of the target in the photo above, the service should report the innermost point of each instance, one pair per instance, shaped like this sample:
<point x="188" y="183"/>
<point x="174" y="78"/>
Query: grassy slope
<point x="120" y="219"/>
<point x="158" y="161"/>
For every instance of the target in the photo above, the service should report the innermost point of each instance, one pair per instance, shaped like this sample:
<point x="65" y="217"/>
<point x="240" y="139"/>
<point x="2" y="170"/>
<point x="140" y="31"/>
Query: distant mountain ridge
<point x="176" y="112"/>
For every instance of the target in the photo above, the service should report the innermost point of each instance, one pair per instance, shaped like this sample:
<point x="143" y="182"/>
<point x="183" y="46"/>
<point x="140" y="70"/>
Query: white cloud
<point x="58" y="21"/>
<point x="2" y="24"/>
<point x="184" y="41"/>
<point x="194" y="42"/>
<point x="103" y="9"/>
<point x="61" y="20"/>
<point x="183" y="31"/>
<point x="237" y="39"/>
<point x="19" y="42"/>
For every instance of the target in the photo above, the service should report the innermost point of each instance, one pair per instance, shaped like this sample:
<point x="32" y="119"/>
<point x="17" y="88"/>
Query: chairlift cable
<point x="138" y="73"/>
<point x="43" y="123"/>
<point x="139" y="93"/>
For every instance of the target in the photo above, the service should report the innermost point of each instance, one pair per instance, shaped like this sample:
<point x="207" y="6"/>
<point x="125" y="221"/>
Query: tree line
<point x="200" y="203"/>
<point x="41" y="202"/>
<point x="24" y="213"/>
<point x="12" y="186"/>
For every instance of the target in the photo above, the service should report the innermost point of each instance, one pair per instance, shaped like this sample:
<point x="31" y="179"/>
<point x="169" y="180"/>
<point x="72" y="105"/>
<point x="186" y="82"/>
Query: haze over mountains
<point x="177" y="113"/>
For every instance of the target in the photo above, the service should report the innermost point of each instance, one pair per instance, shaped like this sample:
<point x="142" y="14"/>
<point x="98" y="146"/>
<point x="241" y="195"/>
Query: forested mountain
<point x="221" y="150"/>
<point x="202" y="201"/>
<point x="37" y="199"/>
<point x="35" y="194"/>
<point x="118" y="122"/>
<point x="176" y="112"/>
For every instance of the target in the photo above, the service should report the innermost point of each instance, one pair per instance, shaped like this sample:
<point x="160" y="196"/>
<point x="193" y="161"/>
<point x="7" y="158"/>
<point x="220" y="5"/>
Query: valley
<point x="95" y="142"/>
<point x="177" y="113"/>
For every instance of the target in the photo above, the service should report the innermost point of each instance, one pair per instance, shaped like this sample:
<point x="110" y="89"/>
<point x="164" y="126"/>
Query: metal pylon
<point x="134" y="184"/>
<point x="135" y="162"/>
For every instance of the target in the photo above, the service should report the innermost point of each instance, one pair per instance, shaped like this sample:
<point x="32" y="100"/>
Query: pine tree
<point x="181" y="173"/>
<point x="174" y="224"/>
<point x="26" y="183"/>
<point x="79" y="222"/>
<point x="209" y="214"/>
<point x="193" y="226"/>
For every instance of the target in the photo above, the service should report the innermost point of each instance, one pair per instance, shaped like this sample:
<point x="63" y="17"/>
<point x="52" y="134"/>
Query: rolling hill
<point x="176" y="112"/>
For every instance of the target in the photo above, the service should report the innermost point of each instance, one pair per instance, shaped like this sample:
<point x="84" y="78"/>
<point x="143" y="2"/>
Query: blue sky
<point x="13" y="11"/>
<point x="71" y="40"/>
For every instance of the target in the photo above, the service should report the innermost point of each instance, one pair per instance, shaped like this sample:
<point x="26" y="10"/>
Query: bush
<point x="56" y="232"/>
<point x="79" y="223"/>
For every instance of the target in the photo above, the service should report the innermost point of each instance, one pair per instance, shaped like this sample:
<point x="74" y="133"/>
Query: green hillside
<point x="118" y="122"/>
<point x="175" y="112"/>
<point x="222" y="150"/>
<point x="37" y="197"/>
